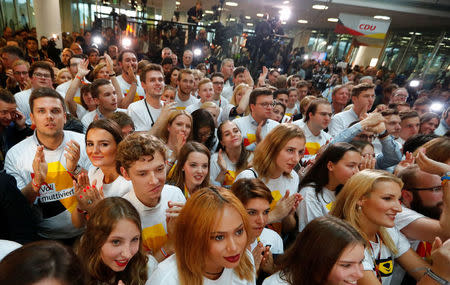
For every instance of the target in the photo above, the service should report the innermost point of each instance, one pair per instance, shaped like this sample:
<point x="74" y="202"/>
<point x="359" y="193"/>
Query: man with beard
<point x="422" y="203"/>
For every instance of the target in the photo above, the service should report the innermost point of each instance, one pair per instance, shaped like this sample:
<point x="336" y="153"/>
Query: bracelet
<point x="445" y="178"/>
<point x="78" y="77"/>
<point x="164" y="252"/>
<point x="436" y="277"/>
<point x="35" y="185"/>
<point x="81" y="211"/>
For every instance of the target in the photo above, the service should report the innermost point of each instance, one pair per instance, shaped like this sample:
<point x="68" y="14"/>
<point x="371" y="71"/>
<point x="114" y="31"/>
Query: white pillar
<point x="365" y="54"/>
<point x="48" y="19"/>
<point x="168" y="7"/>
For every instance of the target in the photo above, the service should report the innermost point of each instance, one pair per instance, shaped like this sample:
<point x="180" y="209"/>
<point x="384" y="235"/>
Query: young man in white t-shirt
<point x="144" y="113"/>
<point x="129" y="81"/>
<point x="142" y="160"/>
<point x="261" y="104"/>
<point x="105" y="97"/>
<point x="45" y="164"/>
<point x="183" y="97"/>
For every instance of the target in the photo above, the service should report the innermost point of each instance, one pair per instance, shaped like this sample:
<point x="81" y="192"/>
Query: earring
<point x="359" y="208"/>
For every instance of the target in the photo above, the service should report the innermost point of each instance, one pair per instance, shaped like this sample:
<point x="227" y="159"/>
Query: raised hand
<point x="83" y="69"/>
<point x="221" y="161"/>
<point x="40" y="166"/>
<point x="72" y="155"/>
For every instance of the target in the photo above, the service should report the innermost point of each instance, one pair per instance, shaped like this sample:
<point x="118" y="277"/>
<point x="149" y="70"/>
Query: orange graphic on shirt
<point x="154" y="237"/>
<point x="251" y="138"/>
<point x="59" y="187"/>
<point x="311" y="148"/>
<point x="230" y="176"/>
<point x="329" y="206"/>
<point x="136" y="96"/>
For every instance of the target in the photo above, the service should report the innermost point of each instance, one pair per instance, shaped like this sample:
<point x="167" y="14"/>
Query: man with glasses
<point x="12" y="124"/>
<point x="257" y="125"/>
<point x="19" y="80"/>
<point x="41" y="74"/>
<point x="400" y="95"/>
<point x="423" y="207"/>
<point x="218" y="81"/>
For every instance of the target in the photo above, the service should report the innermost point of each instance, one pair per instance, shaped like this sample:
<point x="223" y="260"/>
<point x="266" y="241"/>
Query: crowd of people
<point x="122" y="169"/>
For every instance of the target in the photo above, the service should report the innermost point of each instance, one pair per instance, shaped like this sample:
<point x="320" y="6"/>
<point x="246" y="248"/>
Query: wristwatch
<point x="77" y="170"/>
<point x="436" y="277"/>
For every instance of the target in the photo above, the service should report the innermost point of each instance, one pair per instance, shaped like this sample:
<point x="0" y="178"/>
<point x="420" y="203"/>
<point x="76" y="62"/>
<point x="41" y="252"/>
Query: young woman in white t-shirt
<point x="103" y="180"/>
<point x="175" y="131"/>
<point x="232" y="156"/>
<point x="329" y="251"/>
<point x="211" y="238"/>
<point x="111" y="247"/>
<point x="369" y="201"/>
<point x="274" y="160"/>
<point x="318" y="188"/>
<point x="256" y="198"/>
<point x="192" y="169"/>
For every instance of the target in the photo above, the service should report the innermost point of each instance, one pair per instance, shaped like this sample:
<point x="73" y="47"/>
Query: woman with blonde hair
<point x="437" y="149"/>
<point x="369" y="201"/>
<point x="175" y="131"/>
<point x="111" y="247"/>
<point x="211" y="238"/>
<point x="62" y="76"/>
<point x="274" y="160"/>
<point x="238" y="103"/>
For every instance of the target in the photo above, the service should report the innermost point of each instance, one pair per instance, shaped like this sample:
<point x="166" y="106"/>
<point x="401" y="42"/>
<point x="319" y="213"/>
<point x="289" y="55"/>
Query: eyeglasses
<point x="433" y="189"/>
<point x="20" y="72"/>
<point x="218" y="83"/>
<point x="267" y="104"/>
<point x="42" y="75"/>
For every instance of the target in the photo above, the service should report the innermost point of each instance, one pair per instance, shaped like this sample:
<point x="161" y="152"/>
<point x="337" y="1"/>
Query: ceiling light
<point x="177" y="3"/>
<point x="260" y="15"/>
<point x="333" y="19"/>
<point x="320" y="7"/>
<point x="285" y="13"/>
<point x="418" y="34"/>
<point x="285" y="2"/>
<point x="313" y="31"/>
<point x="382" y="17"/>
<point x="248" y="17"/>
<point x="411" y="33"/>
<point x="232" y="4"/>
<point x="232" y="19"/>
<point x="209" y="12"/>
<point x="302" y="21"/>
<point x="284" y="23"/>
<point x="250" y="24"/>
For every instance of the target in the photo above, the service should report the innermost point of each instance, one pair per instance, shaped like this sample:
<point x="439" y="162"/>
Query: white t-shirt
<point x="278" y="186"/>
<point x="181" y="105"/>
<point x="154" y="227"/>
<point x="385" y="258"/>
<point x="23" y="104"/>
<point x="56" y="198"/>
<point x="140" y="115"/>
<point x="272" y="238"/>
<point x="118" y="188"/>
<point x="274" y="279"/>
<point x="230" y="176"/>
<point x="314" y="143"/>
<point x="167" y="274"/>
<point x="89" y="117"/>
<point x="291" y="111"/>
<point x="7" y="246"/>
<point x="313" y="205"/>
<point x="125" y="87"/>
<point x="247" y="125"/>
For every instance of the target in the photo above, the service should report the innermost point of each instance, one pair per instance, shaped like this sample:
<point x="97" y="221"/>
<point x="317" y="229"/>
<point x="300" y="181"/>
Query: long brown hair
<point x="267" y="151"/>
<point x="178" y="176"/>
<point x="242" y="162"/>
<point x="101" y="223"/>
<point x="195" y="224"/>
<point x="316" y="249"/>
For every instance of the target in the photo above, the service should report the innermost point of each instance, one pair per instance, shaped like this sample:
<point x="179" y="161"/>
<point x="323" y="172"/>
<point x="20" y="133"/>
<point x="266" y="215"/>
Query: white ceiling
<point x="412" y="14"/>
